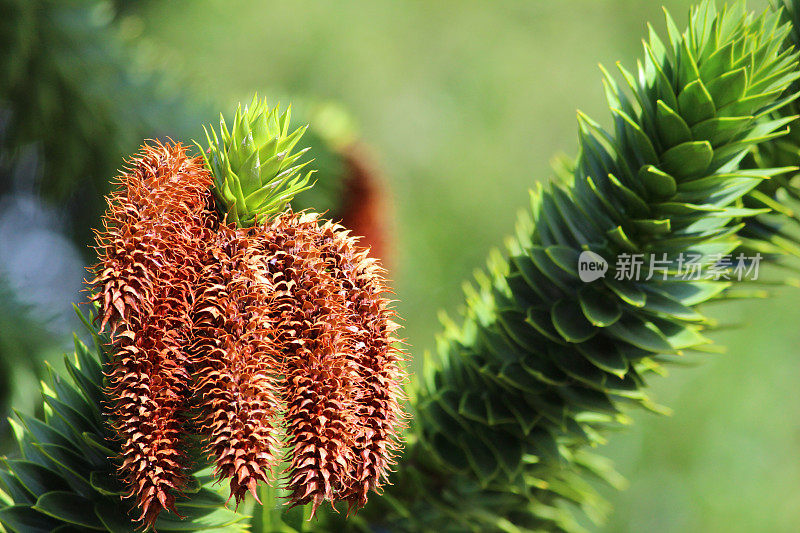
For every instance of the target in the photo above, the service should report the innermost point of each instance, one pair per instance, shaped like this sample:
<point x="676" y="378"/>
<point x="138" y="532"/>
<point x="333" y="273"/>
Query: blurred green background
<point x="464" y="104"/>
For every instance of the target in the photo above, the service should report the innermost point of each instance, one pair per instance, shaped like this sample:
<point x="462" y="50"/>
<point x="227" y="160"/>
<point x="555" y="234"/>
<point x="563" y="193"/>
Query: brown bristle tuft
<point x="151" y="254"/>
<point x="278" y="335"/>
<point x="378" y="383"/>
<point x="236" y="365"/>
<point x="308" y="311"/>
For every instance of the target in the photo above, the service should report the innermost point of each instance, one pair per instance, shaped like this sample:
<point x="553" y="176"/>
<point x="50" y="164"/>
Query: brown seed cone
<point x="151" y="254"/>
<point x="378" y="389"/>
<point x="283" y="319"/>
<point x="147" y="389"/>
<point x="160" y="187"/>
<point x="308" y="311"/>
<point x="236" y="366"/>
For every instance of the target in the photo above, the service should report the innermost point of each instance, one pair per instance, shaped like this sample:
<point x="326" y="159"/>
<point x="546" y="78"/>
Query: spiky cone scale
<point x="308" y="315"/>
<point x="148" y="389"/>
<point x="161" y="185"/>
<point x="319" y="421"/>
<point x="544" y="363"/>
<point x="276" y="277"/>
<point x="151" y="256"/>
<point x="376" y="359"/>
<point x="236" y="364"/>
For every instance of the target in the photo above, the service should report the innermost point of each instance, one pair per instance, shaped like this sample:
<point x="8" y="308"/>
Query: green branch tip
<point x="255" y="172"/>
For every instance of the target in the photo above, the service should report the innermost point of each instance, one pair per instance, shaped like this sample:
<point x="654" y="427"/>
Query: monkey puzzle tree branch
<point x="544" y="363"/>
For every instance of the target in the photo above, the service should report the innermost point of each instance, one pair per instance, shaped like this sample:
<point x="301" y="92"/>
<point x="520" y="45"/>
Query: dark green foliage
<point x="70" y="84"/>
<point x="22" y="336"/>
<point x="63" y="480"/>
<point x="544" y="364"/>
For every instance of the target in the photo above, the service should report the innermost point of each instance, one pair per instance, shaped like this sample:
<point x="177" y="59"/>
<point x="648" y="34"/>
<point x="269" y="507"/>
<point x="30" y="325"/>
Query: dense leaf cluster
<point x="544" y="362"/>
